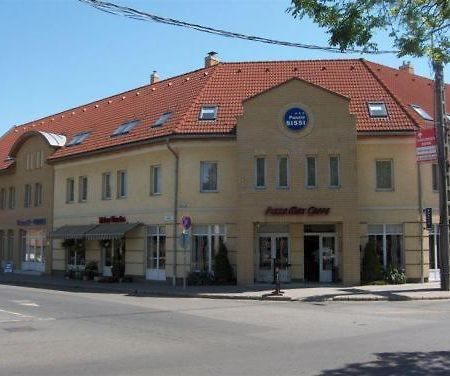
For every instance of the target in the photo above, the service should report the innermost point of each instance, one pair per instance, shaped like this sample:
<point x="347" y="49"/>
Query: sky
<point x="59" y="54"/>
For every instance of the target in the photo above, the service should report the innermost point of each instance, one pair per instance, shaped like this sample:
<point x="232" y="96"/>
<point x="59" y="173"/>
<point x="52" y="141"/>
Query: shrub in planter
<point x="371" y="267"/>
<point x="91" y="270"/>
<point x="200" y="279"/>
<point x="223" y="271"/>
<point x="394" y="276"/>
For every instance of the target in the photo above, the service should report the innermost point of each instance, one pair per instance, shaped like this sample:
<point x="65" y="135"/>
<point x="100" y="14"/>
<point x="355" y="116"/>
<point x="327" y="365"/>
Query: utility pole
<point x="444" y="178"/>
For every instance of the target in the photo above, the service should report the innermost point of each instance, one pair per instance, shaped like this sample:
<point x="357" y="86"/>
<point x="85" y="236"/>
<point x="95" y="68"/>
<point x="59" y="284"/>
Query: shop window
<point x="311" y="172"/>
<point x="155" y="180"/>
<point x="434" y="249"/>
<point x="10" y="245"/>
<point x="208" y="113"/>
<point x="2" y="198"/>
<point x="377" y="109"/>
<point x="106" y="186"/>
<point x="335" y="179"/>
<point x="38" y="194"/>
<point x="384" y="175"/>
<point x="205" y="244"/>
<point x="156" y="247"/>
<point x="208" y="176"/>
<point x="434" y="177"/>
<point x="70" y="190"/>
<point x="260" y="172"/>
<point x="34" y="246"/>
<point x="12" y="198"/>
<point x="125" y="127"/>
<point x="122" y="188"/>
<point x="162" y="119"/>
<point x="283" y="172"/>
<point x="27" y="196"/>
<point x="388" y="240"/>
<point x="76" y="253"/>
<point x="82" y="188"/>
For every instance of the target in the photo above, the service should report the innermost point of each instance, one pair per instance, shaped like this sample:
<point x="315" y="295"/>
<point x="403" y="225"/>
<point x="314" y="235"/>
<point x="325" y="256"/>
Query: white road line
<point x="27" y="303"/>
<point x="15" y="313"/>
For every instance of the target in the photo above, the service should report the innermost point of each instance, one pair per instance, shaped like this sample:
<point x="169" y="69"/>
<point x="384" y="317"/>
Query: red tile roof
<point x="228" y="85"/>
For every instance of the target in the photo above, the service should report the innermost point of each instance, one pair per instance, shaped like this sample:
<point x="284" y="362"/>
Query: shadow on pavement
<point x="401" y="363"/>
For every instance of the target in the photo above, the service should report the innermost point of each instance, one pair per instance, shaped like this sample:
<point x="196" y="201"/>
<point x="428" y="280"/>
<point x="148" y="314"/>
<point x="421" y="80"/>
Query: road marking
<point x="27" y="303"/>
<point x="15" y="313"/>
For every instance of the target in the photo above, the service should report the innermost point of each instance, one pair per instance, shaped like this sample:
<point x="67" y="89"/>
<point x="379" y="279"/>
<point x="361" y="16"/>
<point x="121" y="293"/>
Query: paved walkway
<point x="291" y="292"/>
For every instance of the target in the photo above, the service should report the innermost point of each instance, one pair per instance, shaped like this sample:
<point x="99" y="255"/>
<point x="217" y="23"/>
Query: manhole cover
<point x="20" y="329"/>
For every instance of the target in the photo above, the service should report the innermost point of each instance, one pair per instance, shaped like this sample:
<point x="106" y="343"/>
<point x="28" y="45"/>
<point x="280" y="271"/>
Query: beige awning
<point x="72" y="232"/>
<point x="110" y="231"/>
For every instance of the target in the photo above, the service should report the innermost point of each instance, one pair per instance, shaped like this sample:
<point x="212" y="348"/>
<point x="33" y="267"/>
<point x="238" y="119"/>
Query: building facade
<point x="295" y="165"/>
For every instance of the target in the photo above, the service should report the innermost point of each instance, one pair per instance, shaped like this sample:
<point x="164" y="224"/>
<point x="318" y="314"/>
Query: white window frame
<point x="263" y="186"/>
<point x="70" y="190"/>
<point x="104" y="185"/>
<point x="203" y="165"/>
<point x="158" y="231"/>
<point x="155" y="180"/>
<point x="386" y="233"/>
<point x="28" y="196"/>
<point x="307" y="185"/>
<point x="206" y="110"/>
<point x="83" y="188"/>
<point x="38" y="194"/>
<point x="377" y="109"/>
<point x="330" y="183"/>
<point x="383" y="189"/>
<point x="288" y="175"/>
<point x="213" y="234"/>
<point x="12" y="198"/>
<point x="122" y="185"/>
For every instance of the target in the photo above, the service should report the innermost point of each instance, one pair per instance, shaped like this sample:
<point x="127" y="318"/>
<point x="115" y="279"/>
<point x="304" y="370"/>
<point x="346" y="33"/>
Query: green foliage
<point x="394" y="276"/>
<point x="91" y="269"/>
<point x="371" y="267"/>
<point x="200" y="279"/>
<point x="223" y="271"/>
<point x="417" y="27"/>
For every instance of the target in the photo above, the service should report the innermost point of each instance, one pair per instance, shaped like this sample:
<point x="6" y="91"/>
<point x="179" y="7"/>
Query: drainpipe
<point x="175" y="213"/>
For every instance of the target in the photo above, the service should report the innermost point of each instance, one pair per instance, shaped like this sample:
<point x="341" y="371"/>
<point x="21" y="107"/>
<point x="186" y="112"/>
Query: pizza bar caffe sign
<point x="294" y="210"/>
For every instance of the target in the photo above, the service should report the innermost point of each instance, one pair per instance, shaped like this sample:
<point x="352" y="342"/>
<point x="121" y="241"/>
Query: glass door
<point x="273" y="250"/>
<point x="156" y="253"/>
<point x="327" y="257"/>
<point x="434" y="257"/>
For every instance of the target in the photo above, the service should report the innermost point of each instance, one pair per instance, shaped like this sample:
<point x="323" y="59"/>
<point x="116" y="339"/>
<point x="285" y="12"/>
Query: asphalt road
<point x="47" y="332"/>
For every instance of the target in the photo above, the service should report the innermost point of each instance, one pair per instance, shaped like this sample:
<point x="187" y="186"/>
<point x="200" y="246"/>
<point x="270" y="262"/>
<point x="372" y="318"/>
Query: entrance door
<point x="107" y="250"/>
<point x="433" y="241"/>
<point x="273" y="250"/>
<point x="113" y="255"/>
<point x="156" y="254"/>
<point x="327" y="257"/>
<point x="320" y="257"/>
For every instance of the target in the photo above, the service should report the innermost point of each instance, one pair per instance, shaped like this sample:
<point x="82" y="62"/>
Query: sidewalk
<point x="291" y="292"/>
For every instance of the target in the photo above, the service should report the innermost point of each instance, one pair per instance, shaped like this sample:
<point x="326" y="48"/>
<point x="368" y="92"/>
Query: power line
<point x="119" y="10"/>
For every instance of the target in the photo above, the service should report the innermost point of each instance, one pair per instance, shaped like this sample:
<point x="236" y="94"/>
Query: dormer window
<point x="125" y="127"/>
<point x="423" y="114"/>
<point x="377" y="109"/>
<point x="162" y="119"/>
<point x="78" y="139"/>
<point x="208" y="113"/>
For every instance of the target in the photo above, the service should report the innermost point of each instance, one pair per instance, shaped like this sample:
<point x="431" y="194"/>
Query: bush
<point x="394" y="276"/>
<point x="371" y="268"/>
<point x="200" y="279"/>
<point x="91" y="269"/>
<point x="223" y="271"/>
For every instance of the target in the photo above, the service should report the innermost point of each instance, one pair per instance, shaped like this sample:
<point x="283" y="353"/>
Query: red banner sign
<point x="426" y="145"/>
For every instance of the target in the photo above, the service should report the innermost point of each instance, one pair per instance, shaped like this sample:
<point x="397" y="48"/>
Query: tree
<point x="371" y="267"/>
<point x="417" y="27"/>
<point x="223" y="271"/>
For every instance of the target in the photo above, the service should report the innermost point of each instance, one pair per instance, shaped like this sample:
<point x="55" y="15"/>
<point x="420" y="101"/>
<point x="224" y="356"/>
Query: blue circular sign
<point x="296" y="119"/>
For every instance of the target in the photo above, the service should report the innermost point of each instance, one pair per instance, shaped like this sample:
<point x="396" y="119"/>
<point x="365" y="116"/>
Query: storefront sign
<point x="112" y="219"/>
<point x="294" y="210"/>
<point x="32" y="222"/>
<point x="296" y="119"/>
<point x="426" y="145"/>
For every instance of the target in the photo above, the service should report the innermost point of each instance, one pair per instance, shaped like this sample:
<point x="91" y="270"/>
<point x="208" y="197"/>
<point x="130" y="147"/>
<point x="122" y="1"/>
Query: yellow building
<point x="292" y="164"/>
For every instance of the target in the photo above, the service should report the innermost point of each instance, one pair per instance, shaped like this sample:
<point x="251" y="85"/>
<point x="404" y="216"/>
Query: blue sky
<point x="58" y="54"/>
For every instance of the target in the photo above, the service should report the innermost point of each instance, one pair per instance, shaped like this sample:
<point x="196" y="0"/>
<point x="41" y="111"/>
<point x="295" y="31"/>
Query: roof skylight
<point x="208" y="113"/>
<point x="162" y="119"/>
<point x="422" y="112"/>
<point x="377" y="109"/>
<point x="78" y="139"/>
<point x="125" y="127"/>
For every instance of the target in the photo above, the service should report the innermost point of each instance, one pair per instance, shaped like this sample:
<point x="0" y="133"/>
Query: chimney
<point x="211" y="59"/>
<point x="154" y="78"/>
<point x="407" y="67"/>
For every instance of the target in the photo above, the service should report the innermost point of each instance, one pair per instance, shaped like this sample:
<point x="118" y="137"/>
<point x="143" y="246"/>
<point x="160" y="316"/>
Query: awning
<point x="110" y="231"/>
<point x="71" y="232"/>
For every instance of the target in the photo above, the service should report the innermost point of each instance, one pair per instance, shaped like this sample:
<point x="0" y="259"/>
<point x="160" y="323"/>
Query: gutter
<point x="175" y="212"/>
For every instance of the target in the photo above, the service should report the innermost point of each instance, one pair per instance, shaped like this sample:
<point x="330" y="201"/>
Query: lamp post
<point x="442" y="156"/>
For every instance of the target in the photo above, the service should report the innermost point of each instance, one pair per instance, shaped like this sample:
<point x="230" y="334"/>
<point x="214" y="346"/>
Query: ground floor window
<point x="76" y="252"/>
<point x="156" y="247"/>
<point x="33" y="243"/>
<point x="433" y="243"/>
<point x="2" y="245"/>
<point x="388" y="240"/>
<point x="205" y="244"/>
